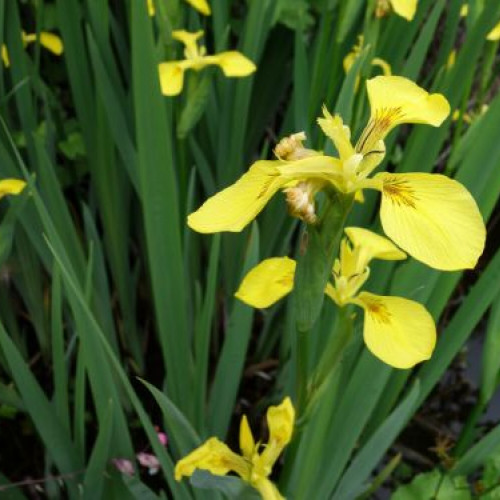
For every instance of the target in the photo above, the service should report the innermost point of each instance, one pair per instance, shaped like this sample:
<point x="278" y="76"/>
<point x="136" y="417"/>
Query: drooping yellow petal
<point x="374" y="245"/>
<point x="11" y="186"/>
<point x="398" y="331"/>
<point x="494" y="34"/>
<point x="52" y="43"/>
<point x="201" y="6"/>
<point x="247" y="442"/>
<point x="236" y="206"/>
<point x="405" y="8"/>
<point x="340" y="134"/>
<point x="433" y="218"/>
<point x="171" y="78"/>
<point x="395" y="100"/>
<point x="214" y="456"/>
<point x="267" y="282"/>
<point x="233" y="64"/>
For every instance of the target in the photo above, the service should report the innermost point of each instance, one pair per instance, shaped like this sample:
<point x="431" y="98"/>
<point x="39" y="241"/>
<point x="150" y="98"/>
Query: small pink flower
<point x="124" y="466"/>
<point x="149" y="461"/>
<point x="163" y="438"/>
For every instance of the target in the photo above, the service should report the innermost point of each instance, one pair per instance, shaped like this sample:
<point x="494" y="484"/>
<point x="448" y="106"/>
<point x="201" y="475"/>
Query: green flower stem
<point x="314" y="266"/>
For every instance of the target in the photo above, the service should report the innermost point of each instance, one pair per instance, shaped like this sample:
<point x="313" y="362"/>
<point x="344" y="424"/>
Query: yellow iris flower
<point x="431" y="217"/>
<point x="253" y="466"/>
<point x="403" y="8"/>
<point x="398" y="331"/>
<point x="49" y="41"/>
<point x="232" y="63"/>
<point x="201" y="6"/>
<point x="11" y="186"/>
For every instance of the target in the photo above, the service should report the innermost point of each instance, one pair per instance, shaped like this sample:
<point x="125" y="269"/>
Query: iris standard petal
<point x="236" y="206"/>
<point x="247" y="442"/>
<point x="340" y="134"/>
<point x="232" y="63"/>
<point x="214" y="456"/>
<point x="171" y="78"/>
<point x="398" y="331"/>
<point x="267" y="282"/>
<point x="433" y="218"/>
<point x="376" y="246"/>
<point x="405" y="8"/>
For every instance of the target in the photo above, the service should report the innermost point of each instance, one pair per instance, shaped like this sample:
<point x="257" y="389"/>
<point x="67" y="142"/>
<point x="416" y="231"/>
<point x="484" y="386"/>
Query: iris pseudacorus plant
<point x="253" y="465"/>
<point x="430" y="216"/>
<point x="398" y="331"/>
<point x="201" y="6"/>
<point x="403" y="8"/>
<point x="233" y="63"/>
<point x="47" y="40"/>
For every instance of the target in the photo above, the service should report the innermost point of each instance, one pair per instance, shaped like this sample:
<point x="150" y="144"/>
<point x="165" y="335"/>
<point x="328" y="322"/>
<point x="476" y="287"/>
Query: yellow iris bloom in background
<point x="11" y="186"/>
<point x="493" y="35"/>
<point x="253" y="466"/>
<point x="403" y="8"/>
<point x="49" y="41"/>
<point x="430" y="216"/>
<point x="398" y="331"/>
<point x="233" y="63"/>
<point x="201" y="6"/>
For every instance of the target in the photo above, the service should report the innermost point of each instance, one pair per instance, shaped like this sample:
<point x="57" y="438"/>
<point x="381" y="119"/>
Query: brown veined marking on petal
<point x="378" y="125"/>
<point x="378" y="311"/>
<point x="399" y="192"/>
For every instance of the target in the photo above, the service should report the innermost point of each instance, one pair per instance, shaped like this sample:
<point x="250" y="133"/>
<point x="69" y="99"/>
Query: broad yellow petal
<point x="494" y="34"/>
<point x="52" y="43"/>
<point x="214" y="456"/>
<point x="233" y="63"/>
<point x="374" y="245"/>
<point x="398" y="331"/>
<point x="247" y="442"/>
<point x="267" y="282"/>
<point x="11" y="186"/>
<point x="433" y="218"/>
<point x="395" y="100"/>
<point x="171" y="78"/>
<point x="201" y="6"/>
<point x="236" y="206"/>
<point x="405" y="8"/>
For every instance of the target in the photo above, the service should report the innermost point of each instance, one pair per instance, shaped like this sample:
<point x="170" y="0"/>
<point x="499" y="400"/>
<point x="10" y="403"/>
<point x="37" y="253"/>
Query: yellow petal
<point x="267" y="489"/>
<point x="334" y="128"/>
<point x="374" y="245"/>
<point x="395" y="100"/>
<point x="236" y="206"/>
<point x="171" y="78"/>
<point x="433" y="218"/>
<point x="201" y="6"/>
<point x="233" y="63"/>
<point x="398" y="331"/>
<point x="214" y="456"/>
<point x="151" y="8"/>
<point x="464" y="10"/>
<point x="494" y="34"/>
<point x="247" y="442"/>
<point x="188" y="38"/>
<point x="405" y="8"/>
<point x="267" y="282"/>
<point x="52" y="43"/>
<point x="5" y="56"/>
<point x="11" y="186"/>
<point x="315" y="167"/>
<point x="383" y="65"/>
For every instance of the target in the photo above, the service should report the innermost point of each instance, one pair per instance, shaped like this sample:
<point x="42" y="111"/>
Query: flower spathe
<point x="232" y="63"/>
<point x="400" y="332"/>
<point x="47" y="40"/>
<point x="253" y="465"/>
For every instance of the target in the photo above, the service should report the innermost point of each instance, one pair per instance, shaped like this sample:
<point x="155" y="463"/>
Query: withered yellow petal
<point x="214" y="456"/>
<point x="247" y="442"/>
<point x="376" y="246"/>
<point x="405" y="8"/>
<point x="171" y="78"/>
<point x="398" y="331"/>
<point x="433" y="218"/>
<point x="267" y="282"/>
<point x="233" y="64"/>
<point x="401" y="100"/>
<point x="11" y="186"/>
<point x="494" y="34"/>
<point x="52" y="43"/>
<point x="201" y="6"/>
<point x="236" y="206"/>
